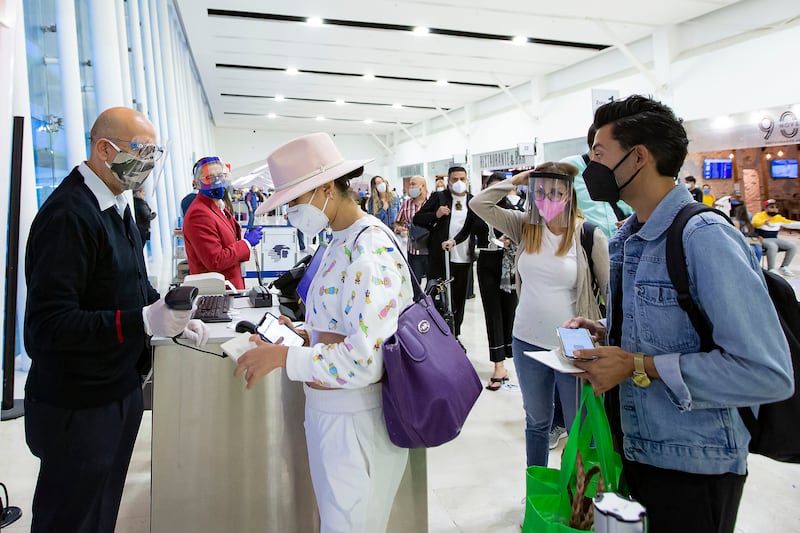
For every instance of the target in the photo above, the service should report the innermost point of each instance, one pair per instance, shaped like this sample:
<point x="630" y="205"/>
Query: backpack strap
<point x="679" y="276"/>
<point x="678" y="271"/>
<point x="587" y="242"/>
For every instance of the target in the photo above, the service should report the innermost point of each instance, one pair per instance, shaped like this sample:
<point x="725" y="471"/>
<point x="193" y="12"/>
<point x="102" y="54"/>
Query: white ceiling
<point x="243" y="97"/>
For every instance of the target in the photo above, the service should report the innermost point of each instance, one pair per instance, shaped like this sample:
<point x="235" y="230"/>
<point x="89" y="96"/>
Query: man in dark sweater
<point x="90" y="312"/>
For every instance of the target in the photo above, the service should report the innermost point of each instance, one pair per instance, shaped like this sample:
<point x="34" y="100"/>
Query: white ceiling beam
<point x="665" y="51"/>
<point x="513" y="98"/>
<point x="622" y="47"/>
<point x="378" y="139"/>
<point x="411" y="135"/>
<point x="453" y="123"/>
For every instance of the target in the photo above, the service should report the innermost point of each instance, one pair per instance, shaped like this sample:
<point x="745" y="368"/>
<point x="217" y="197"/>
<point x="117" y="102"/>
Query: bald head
<point x="123" y="123"/>
<point x="120" y="126"/>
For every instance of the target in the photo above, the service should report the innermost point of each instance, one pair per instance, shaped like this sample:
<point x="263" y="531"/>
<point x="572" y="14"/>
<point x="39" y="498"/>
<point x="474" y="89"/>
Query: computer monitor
<point x="717" y="169"/>
<point x="784" y="168"/>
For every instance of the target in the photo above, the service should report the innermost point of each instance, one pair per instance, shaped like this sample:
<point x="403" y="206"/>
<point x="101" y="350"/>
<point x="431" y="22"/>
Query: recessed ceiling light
<point x="520" y="39"/>
<point x="339" y="102"/>
<point x="368" y="121"/>
<point x="421" y="30"/>
<point x="279" y="98"/>
<point x="272" y="115"/>
<point x="780" y="153"/>
<point x="441" y="82"/>
<point x="292" y="71"/>
<point x="731" y="155"/>
<point x="314" y="21"/>
<point x="397" y="106"/>
<point x="320" y="117"/>
<point x="369" y="77"/>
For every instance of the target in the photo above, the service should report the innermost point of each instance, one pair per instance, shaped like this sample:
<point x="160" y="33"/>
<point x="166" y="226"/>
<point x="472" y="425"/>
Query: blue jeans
<point x="537" y="383"/>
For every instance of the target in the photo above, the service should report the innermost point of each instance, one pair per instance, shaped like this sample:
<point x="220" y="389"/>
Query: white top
<point x="460" y="252"/>
<point x="548" y="292"/>
<point x="358" y="291"/>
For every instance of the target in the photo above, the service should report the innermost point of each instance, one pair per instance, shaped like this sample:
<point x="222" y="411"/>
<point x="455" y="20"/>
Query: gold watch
<point x="640" y="377"/>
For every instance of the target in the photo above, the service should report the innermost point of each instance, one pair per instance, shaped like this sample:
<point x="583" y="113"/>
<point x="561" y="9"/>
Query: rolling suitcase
<point x="439" y="290"/>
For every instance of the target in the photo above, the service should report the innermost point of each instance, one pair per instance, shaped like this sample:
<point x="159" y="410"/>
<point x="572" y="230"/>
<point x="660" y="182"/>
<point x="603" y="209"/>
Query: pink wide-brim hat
<point x="303" y="164"/>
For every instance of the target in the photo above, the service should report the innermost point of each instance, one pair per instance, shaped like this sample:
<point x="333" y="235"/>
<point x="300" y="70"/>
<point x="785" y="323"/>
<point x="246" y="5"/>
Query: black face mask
<point x="601" y="183"/>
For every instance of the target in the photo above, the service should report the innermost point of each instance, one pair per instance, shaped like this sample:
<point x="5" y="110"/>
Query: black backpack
<point x="774" y="433"/>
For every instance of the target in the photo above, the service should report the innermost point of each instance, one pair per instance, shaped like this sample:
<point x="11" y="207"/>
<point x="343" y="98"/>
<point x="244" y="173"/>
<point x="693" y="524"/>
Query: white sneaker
<point x="786" y="272"/>
<point x="774" y="271"/>
<point x="556" y="434"/>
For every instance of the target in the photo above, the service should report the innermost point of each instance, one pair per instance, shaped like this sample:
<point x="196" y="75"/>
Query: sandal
<point x="499" y="382"/>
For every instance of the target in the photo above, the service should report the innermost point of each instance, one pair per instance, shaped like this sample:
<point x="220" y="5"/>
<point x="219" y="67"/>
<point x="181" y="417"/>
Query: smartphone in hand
<point x="575" y="339"/>
<point x="272" y="330"/>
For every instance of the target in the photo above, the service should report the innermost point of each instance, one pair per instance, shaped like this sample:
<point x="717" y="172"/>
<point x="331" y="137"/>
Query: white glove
<point x="161" y="321"/>
<point x="197" y="332"/>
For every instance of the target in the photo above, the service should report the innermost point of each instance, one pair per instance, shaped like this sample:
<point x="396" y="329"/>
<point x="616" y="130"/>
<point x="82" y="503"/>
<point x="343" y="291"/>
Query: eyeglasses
<point x="553" y="194"/>
<point x="140" y="150"/>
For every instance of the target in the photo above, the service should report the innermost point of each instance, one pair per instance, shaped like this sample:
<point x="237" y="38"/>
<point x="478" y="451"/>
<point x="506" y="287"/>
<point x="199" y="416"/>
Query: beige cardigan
<point x="511" y="222"/>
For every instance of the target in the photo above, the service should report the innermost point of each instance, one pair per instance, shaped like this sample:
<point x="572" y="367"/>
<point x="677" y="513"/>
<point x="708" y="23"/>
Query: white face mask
<point x="308" y="218"/>
<point x="513" y="198"/>
<point x="439" y="189"/>
<point x="414" y="192"/>
<point x="381" y="187"/>
<point x="459" y="187"/>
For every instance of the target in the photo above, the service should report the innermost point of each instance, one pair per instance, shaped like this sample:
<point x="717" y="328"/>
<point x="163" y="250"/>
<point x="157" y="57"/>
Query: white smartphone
<point x="575" y="339"/>
<point x="272" y="330"/>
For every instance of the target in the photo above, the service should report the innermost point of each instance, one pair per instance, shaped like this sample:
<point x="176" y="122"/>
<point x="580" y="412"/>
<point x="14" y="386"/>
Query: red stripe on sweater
<point x="119" y="327"/>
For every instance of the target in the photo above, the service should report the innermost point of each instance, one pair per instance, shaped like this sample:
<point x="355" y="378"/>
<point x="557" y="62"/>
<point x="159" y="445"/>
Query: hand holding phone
<point x="575" y="339"/>
<point x="272" y="330"/>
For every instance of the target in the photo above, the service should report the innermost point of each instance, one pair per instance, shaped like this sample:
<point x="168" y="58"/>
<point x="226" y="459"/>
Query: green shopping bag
<point x="547" y="508"/>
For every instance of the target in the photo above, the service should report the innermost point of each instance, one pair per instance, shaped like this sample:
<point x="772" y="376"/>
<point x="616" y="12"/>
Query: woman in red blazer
<point x="213" y="238"/>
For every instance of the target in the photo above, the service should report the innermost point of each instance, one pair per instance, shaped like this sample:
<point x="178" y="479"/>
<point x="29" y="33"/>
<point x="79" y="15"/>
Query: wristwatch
<point x="640" y="377"/>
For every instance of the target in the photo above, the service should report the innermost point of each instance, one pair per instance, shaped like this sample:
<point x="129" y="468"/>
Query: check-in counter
<point x="229" y="459"/>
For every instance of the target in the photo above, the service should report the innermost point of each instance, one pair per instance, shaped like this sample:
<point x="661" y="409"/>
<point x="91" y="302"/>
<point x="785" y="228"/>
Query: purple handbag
<point x="430" y="385"/>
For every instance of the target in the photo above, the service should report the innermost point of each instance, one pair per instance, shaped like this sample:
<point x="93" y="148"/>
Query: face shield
<point x="550" y="199"/>
<point x="134" y="166"/>
<point x="209" y="175"/>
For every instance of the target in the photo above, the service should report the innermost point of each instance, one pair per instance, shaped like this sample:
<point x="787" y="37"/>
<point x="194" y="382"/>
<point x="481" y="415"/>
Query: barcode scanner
<point x="245" y="326"/>
<point x="181" y="298"/>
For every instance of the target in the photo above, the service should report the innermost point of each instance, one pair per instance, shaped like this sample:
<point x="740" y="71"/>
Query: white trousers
<point x="355" y="468"/>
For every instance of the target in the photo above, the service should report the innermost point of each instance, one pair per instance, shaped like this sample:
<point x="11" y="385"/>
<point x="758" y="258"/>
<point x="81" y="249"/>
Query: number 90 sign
<point x="788" y="125"/>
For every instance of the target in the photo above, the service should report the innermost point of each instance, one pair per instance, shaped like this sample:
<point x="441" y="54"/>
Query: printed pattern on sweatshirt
<point x="358" y="292"/>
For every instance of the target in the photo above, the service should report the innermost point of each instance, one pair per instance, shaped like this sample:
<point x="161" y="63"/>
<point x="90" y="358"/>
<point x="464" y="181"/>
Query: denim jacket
<point x="687" y="420"/>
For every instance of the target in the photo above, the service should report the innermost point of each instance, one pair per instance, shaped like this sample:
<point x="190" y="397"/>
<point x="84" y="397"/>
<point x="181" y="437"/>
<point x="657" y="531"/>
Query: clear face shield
<point x="209" y="176"/>
<point x="549" y="199"/>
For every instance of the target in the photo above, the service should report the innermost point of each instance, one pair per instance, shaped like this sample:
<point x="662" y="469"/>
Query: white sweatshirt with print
<point x="358" y="291"/>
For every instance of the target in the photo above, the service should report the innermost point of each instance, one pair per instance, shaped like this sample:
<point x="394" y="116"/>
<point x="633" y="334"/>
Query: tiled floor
<point x="475" y="482"/>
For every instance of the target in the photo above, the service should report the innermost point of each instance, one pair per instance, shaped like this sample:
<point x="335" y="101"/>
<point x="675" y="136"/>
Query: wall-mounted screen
<point x="717" y="169"/>
<point x="784" y="168"/>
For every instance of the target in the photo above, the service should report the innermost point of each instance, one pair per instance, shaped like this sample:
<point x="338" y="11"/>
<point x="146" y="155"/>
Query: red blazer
<point x="214" y="241"/>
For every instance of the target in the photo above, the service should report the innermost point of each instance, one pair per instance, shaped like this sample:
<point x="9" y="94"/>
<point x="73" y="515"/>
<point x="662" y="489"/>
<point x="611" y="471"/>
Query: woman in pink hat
<point x="353" y="303"/>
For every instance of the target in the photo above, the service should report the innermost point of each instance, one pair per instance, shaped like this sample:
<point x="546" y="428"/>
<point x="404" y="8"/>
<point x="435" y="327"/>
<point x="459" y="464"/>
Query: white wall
<point x="719" y="81"/>
<point x="245" y="147"/>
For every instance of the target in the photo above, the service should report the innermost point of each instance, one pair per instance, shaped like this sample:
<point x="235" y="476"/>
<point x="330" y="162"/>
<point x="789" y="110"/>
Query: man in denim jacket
<point x="684" y="444"/>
